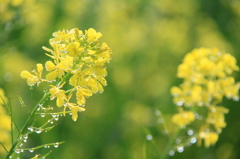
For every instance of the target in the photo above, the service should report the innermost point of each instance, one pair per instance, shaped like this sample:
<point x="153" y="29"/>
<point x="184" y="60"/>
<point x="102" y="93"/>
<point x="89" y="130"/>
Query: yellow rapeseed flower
<point x="36" y="77"/>
<point x="207" y="80"/>
<point x="78" y="59"/>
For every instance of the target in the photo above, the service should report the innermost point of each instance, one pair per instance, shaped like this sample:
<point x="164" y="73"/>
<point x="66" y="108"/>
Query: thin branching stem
<point x="10" y="113"/>
<point x="44" y="145"/>
<point x="27" y="124"/>
<point x="155" y="147"/>
<point x="23" y="104"/>
<point x="170" y="144"/>
<point x="3" y="146"/>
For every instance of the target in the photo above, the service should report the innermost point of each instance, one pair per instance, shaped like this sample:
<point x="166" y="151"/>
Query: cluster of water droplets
<point x="35" y="129"/>
<point x="187" y="141"/>
<point x="31" y="150"/>
<point x="44" y="109"/>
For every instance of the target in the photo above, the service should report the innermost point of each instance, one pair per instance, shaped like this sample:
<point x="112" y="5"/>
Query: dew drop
<point x="24" y="140"/>
<point x="179" y="103"/>
<point x="178" y="141"/>
<point x="171" y="153"/>
<point x="53" y="115"/>
<point x="236" y="98"/>
<point x="213" y="110"/>
<point x="56" y="118"/>
<point x="30" y="128"/>
<point x="180" y="149"/>
<point x="190" y="132"/>
<point x="31" y="150"/>
<point x="42" y="115"/>
<point x="38" y="130"/>
<point x="149" y="137"/>
<point x="25" y="137"/>
<point x="21" y="150"/>
<point x="10" y="157"/>
<point x="157" y="112"/>
<point x="17" y="151"/>
<point x="193" y="140"/>
<point x="56" y="145"/>
<point x="51" y="122"/>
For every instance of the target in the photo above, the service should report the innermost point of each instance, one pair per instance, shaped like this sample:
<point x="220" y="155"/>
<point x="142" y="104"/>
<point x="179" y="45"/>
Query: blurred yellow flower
<point x="216" y="117"/>
<point x="207" y="79"/>
<point x="183" y="118"/>
<point x="210" y="138"/>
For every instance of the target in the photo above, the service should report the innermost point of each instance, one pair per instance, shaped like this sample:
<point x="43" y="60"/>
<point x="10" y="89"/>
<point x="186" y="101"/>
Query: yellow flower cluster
<point x="5" y="124"/>
<point x="77" y="65"/>
<point x="207" y="79"/>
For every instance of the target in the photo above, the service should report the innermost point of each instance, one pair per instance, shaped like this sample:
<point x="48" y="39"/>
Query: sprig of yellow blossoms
<point x="77" y="67"/>
<point x="207" y="78"/>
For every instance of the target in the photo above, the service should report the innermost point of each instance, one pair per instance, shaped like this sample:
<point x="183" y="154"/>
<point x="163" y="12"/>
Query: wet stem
<point x="169" y="146"/>
<point x="27" y="124"/>
<point x="30" y="119"/>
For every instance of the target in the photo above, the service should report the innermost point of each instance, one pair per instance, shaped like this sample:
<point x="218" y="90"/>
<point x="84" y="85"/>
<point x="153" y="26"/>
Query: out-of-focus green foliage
<point x="149" y="40"/>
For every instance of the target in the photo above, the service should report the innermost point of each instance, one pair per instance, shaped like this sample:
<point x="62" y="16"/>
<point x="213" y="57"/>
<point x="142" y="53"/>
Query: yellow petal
<point x="31" y="81"/>
<point x="49" y="65"/>
<point x="93" y="35"/>
<point x="51" y="76"/>
<point x="176" y="91"/>
<point x="100" y="87"/>
<point x="26" y="74"/>
<point x="60" y="100"/>
<point x="86" y="92"/>
<point x="39" y="67"/>
<point x="80" y="98"/>
<point x="75" y="110"/>
<point x="74" y="49"/>
<point x="73" y="80"/>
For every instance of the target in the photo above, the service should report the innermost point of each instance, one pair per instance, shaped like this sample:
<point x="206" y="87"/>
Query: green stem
<point x="170" y="144"/>
<point x="27" y="124"/>
<point x="3" y="146"/>
<point x="10" y="113"/>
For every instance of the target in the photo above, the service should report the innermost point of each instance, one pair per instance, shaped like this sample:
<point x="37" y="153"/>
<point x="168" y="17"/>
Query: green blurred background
<point x="149" y="39"/>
